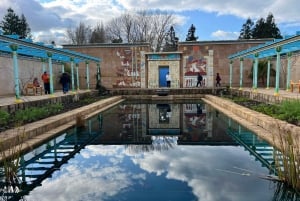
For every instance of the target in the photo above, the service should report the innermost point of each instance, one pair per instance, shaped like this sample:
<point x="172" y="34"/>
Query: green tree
<point x="171" y="41"/>
<point x="13" y="24"/>
<point x="246" y="31"/>
<point x="24" y="28"/>
<point x="262" y="71"/>
<point x="117" y="40"/>
<point x="191" y="34"/>
<point x="266" y="28"/>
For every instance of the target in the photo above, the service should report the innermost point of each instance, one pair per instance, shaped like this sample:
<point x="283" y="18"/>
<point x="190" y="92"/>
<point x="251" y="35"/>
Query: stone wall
<point x="121" y="64"/>
<point x="125" y="65"/>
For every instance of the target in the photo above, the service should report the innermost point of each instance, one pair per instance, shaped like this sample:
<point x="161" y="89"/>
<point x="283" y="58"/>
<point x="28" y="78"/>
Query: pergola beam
<point x="270" y="47"/>
<point x="29" y="45"/>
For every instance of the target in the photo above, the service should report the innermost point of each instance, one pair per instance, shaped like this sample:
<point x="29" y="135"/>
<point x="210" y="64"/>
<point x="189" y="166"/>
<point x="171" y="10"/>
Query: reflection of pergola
<point x="278" y="48"/>
<point x="26" y="47"/>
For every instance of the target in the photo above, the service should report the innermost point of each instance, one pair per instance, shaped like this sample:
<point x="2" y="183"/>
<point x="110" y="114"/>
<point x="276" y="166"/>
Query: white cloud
<point x="223" y="35"/>
<point x="49" y="19"/>
<point x="106" y="171"/>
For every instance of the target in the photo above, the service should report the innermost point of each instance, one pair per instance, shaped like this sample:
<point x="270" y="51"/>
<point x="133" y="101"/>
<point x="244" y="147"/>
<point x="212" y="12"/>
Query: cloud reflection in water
<point x="107" y="172"/>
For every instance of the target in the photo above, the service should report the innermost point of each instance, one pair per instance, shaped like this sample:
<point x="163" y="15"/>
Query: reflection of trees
<point x="159" y="143"/>
<point x="283" y="193"/>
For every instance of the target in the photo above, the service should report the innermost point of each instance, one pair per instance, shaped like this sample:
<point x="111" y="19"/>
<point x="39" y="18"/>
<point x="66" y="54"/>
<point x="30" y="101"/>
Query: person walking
<point x="218" y="79"/>
<point x="168" y="78"/>
<point x="46" y="81"/>
<point x="199" y="80"/>
<point x="65" y="81"/>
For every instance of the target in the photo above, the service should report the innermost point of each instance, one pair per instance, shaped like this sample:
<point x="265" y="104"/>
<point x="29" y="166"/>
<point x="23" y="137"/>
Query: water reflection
<point x="150" y="152"/>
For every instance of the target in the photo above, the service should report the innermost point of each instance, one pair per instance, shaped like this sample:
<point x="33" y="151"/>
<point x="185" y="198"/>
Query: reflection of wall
<point x="126" y="123"/>
<point x="194" y="118"/>
<point x="154" y="117"/>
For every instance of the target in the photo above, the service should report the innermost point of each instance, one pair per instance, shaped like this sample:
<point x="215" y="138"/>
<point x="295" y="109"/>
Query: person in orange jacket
<point x="46" y="81"/>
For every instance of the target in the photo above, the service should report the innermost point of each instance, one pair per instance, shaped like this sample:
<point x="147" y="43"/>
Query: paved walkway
<point x="271" y="91"/>
<point x="10" y="100"/>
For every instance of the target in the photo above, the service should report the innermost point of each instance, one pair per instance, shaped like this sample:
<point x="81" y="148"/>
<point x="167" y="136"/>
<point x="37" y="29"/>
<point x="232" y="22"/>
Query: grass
<point x="4" y="117"/>
<point x="35" y="113"/>
<point x="10" y="153"/>
<point x="288" y="111"/>
<point x="287" y="161"/>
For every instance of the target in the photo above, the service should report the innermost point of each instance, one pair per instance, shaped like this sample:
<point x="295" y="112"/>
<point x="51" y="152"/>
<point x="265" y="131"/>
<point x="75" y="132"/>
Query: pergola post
<point x="14" y="49"/>
<point x="87" y="75"/>
<point x="288" y="76"/>
<point x="77" y="77"/>
<point x="62" y="68"/>
<point x="253" y="73"/>
<point x="72" y="73"/>
<point x="241" y="72"/>
<point x="98" y="75"/>
<point x="43" y="60"/>
<point x="255" y="70"/>
<point x="278" y="50"/>
<point x="230" y="73"/>
<point x="268" y="73"/>
<point x="49" y="54"/>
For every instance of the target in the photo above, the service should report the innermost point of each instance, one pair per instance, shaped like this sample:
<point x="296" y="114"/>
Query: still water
<point x="150" y="152"/>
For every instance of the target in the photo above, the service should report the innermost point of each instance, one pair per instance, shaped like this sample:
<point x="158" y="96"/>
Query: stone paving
<point x="11" y="100"/>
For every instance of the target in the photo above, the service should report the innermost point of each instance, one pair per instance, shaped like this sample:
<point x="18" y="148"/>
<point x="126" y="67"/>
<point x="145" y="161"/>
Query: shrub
<point x="4" y="117"/>
<point x="290" y="111"/>
<point x="35" y="113"/>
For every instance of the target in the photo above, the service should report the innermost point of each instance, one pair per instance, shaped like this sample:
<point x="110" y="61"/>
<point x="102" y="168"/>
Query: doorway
<point x="163" y="70"/>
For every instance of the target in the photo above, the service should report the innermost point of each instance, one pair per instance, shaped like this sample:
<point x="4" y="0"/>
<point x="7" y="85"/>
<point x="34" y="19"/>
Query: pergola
<point x="269" y="50"/>
<point x="26" y="47"/>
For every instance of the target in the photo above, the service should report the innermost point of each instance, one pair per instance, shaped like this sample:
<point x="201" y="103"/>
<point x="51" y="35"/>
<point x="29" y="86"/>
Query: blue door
<point x="163" y="70"/>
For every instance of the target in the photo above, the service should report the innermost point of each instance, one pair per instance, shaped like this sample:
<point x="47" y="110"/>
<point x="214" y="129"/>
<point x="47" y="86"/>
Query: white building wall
<point x="28" y="69"/>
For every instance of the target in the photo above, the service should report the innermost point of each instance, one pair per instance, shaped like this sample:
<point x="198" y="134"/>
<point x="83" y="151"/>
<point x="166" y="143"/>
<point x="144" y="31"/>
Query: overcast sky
<point x="213" y="19"/>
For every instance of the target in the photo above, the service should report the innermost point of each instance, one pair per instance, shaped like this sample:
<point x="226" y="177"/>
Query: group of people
<point x="64" y="81"/>
<point x="199" y="80"/>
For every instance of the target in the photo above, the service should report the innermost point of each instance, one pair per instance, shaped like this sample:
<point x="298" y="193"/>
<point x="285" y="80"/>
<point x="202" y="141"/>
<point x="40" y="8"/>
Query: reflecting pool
<point x="150" y="152"/>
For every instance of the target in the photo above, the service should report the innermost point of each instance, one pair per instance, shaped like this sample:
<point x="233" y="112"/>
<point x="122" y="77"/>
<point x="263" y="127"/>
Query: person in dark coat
<point x="218" y="79"/>
<point x="65" y="82"/>
<point x="199" y="80"/>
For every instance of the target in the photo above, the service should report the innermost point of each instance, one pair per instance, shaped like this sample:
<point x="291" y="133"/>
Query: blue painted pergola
<point x="269" y="50"/>
<point x="26" y="47"/>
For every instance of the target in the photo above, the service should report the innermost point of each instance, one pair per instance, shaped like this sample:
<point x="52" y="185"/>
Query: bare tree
<point x="98" y="34"/>
<point x="80" y="35"/>
<point x="113" y="31"/>
<point x="162" y="24"/>
<point x="142" y="26"/>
